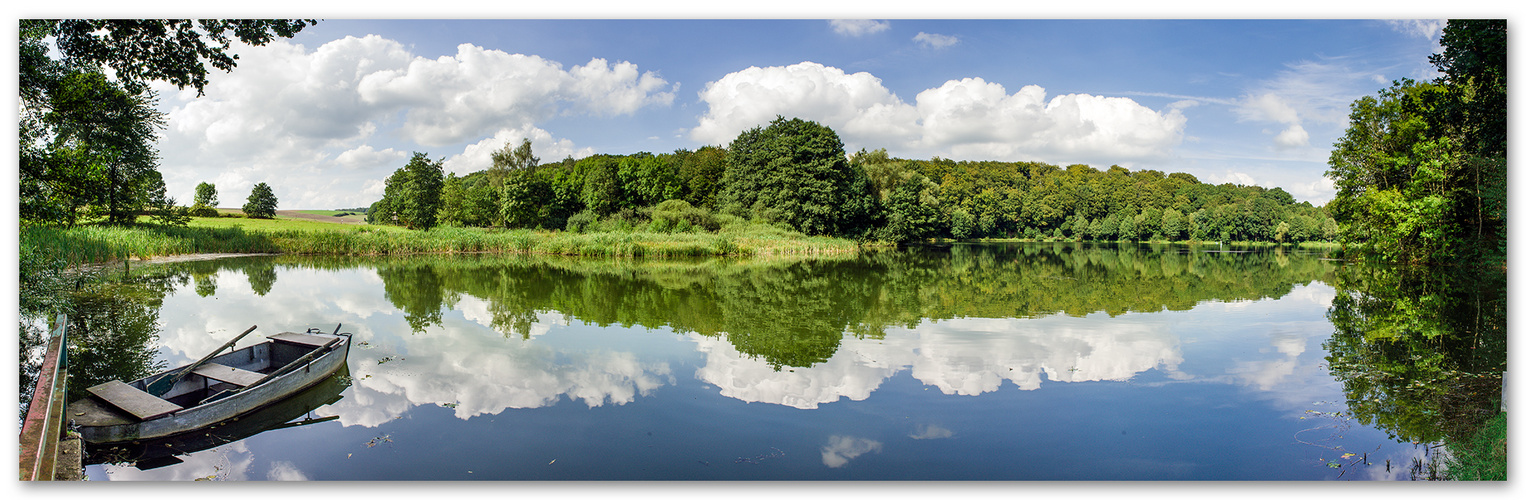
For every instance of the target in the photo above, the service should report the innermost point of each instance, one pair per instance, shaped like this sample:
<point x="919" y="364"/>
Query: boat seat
<point x="301" y="339"/>
<point x="140" y="404"/>
<point x="236" y="376"/>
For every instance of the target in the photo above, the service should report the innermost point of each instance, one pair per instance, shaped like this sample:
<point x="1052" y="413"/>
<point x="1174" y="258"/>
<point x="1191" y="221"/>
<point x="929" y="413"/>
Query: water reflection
<point x="1420" y="352"/>
<point x="1237" y="340"/>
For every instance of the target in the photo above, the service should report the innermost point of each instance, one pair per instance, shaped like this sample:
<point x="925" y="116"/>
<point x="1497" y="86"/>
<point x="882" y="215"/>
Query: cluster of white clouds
<point x="308" y="118"/>
<point x="325" y="125"/>
<point x="968" y="118"/>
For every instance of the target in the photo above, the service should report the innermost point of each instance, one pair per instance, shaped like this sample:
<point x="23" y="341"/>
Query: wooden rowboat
<point x="213" y="390"/>
<point x="294" y="411"/>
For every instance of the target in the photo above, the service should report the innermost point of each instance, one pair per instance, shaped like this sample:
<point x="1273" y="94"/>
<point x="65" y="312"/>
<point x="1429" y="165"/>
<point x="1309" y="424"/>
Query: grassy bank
<point x="87" y="244"/>
<point x="1481" y="458"/>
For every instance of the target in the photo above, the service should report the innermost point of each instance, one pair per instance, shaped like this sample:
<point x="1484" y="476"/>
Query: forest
<point x="795" y="174"/>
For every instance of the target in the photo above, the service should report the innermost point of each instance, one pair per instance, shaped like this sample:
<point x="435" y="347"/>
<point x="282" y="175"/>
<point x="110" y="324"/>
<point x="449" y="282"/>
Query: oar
<point x="157" y="388"/>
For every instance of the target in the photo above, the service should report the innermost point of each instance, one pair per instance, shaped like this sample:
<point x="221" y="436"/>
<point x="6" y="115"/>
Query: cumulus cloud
<point x="457" y="97"/>
<point x="962" y="118"/>
<point x="858" y="27"/>
<point x="1429" y="29"/>
<point x="840" y="449"/>
<point x="935" y="41"/>
<point x="479" y="155"/>
<point x="292" y="117"/>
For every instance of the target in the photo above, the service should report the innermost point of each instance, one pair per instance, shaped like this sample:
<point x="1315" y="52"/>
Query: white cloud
<point x="962" y="118"/>
<point x="931" y="431"/>
<point x="1429" y="29"/>
<point x="479" y="155"/>
<point x="1240" y="178"/>
<point x="285" y="471"/>
<point x="858" y="27"/>
<point x="306" y="121"/>
<point x="853" y="104"/>
<point x="840" y="449"/>
<point x="935" y="41"/>
<point x="367" y="157"/>
<point x="975" y="118"/>
<point x="455" y="98"/>
<point x="1294" y="136"/>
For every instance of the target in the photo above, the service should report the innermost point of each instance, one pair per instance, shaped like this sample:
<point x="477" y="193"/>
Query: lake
<point x="1022" y="361"/>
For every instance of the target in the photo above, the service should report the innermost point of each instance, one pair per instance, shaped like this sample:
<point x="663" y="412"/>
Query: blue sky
<point x="326" y="116"/>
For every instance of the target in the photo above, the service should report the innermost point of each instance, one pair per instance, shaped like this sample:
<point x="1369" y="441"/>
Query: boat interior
<point x="218" y="377"/>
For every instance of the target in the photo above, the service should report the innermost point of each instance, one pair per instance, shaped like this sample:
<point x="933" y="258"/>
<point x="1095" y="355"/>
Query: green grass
<point x="1481" y="458"/>
<point x="92" y="244"/>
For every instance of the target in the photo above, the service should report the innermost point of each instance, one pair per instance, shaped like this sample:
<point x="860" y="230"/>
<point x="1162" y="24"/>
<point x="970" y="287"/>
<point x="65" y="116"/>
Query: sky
<point x="326" y="116"/>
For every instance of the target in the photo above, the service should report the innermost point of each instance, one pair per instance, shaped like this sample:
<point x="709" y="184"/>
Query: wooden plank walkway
<point x="140" y="404"/>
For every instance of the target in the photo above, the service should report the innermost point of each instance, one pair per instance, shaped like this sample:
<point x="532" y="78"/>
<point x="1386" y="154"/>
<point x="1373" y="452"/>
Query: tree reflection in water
<point x="1420" y="351"/>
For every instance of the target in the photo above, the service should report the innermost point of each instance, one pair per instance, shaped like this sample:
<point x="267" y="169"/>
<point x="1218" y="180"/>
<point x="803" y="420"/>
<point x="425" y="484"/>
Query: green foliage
<point x="206" y="196"/>
<point x="86" y="147"/>
<point x="171" y="50"/>
<point x="1420" y="172"/>
<point x="792" y="312"/>
<point x="413" y="195"/>
<point x="1420" y="352"/>
<point x="794" y="171"/>
<point x="680" y="216"/>
<point x="101" y="151"/>
<point x="1482" y="457"/>
<point x="261" y="203"/>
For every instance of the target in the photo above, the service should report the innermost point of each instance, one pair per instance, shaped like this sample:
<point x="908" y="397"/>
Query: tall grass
<point x="90" y="244"/>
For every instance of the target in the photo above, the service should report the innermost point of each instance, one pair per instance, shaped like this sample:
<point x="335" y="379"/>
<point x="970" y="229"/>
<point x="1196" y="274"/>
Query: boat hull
<point x="206" y="415"/>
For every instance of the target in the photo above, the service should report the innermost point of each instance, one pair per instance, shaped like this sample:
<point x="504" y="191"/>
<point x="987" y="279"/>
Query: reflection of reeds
<point x="87" y="244"/>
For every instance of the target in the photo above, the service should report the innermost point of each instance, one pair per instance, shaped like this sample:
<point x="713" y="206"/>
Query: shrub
<point x="582" y="222"/>
<point x="681" y="216"/>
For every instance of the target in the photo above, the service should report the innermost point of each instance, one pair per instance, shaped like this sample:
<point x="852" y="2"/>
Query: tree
<point x="102" y="149"/>
<point x="1420" y="172"/>
<point x="1172" y="225"/>
<point x="794" y="171"/>
<point x="420" y="205"/>
<point x="507" y="160"/>
<point x="262" y="202"/>
<point x="206" y="195"/>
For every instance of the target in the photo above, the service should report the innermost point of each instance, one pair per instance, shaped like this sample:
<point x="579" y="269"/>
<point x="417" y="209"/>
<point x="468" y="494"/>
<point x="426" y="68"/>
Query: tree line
<point x="794" y="173"/>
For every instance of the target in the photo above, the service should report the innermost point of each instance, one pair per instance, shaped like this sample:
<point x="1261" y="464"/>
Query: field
<point x="312" y="215"/>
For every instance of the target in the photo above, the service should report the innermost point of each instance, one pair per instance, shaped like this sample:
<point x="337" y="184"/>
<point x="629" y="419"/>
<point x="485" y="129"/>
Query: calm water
<point x="994" y="362"/>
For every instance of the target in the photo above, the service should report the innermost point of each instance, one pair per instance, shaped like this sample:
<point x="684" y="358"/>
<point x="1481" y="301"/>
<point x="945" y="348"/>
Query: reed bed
<point x="93" y="244"/>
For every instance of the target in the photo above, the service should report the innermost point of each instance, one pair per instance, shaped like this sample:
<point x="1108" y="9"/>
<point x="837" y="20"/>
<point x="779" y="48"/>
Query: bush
<point x="204" y="212"/>
<point x="582" y="222"/>
<point x="680" y="216"/>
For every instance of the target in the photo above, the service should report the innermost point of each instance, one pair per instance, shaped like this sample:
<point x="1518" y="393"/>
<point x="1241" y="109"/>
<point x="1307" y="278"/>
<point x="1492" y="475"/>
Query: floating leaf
<point x="1348" y="455"/>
